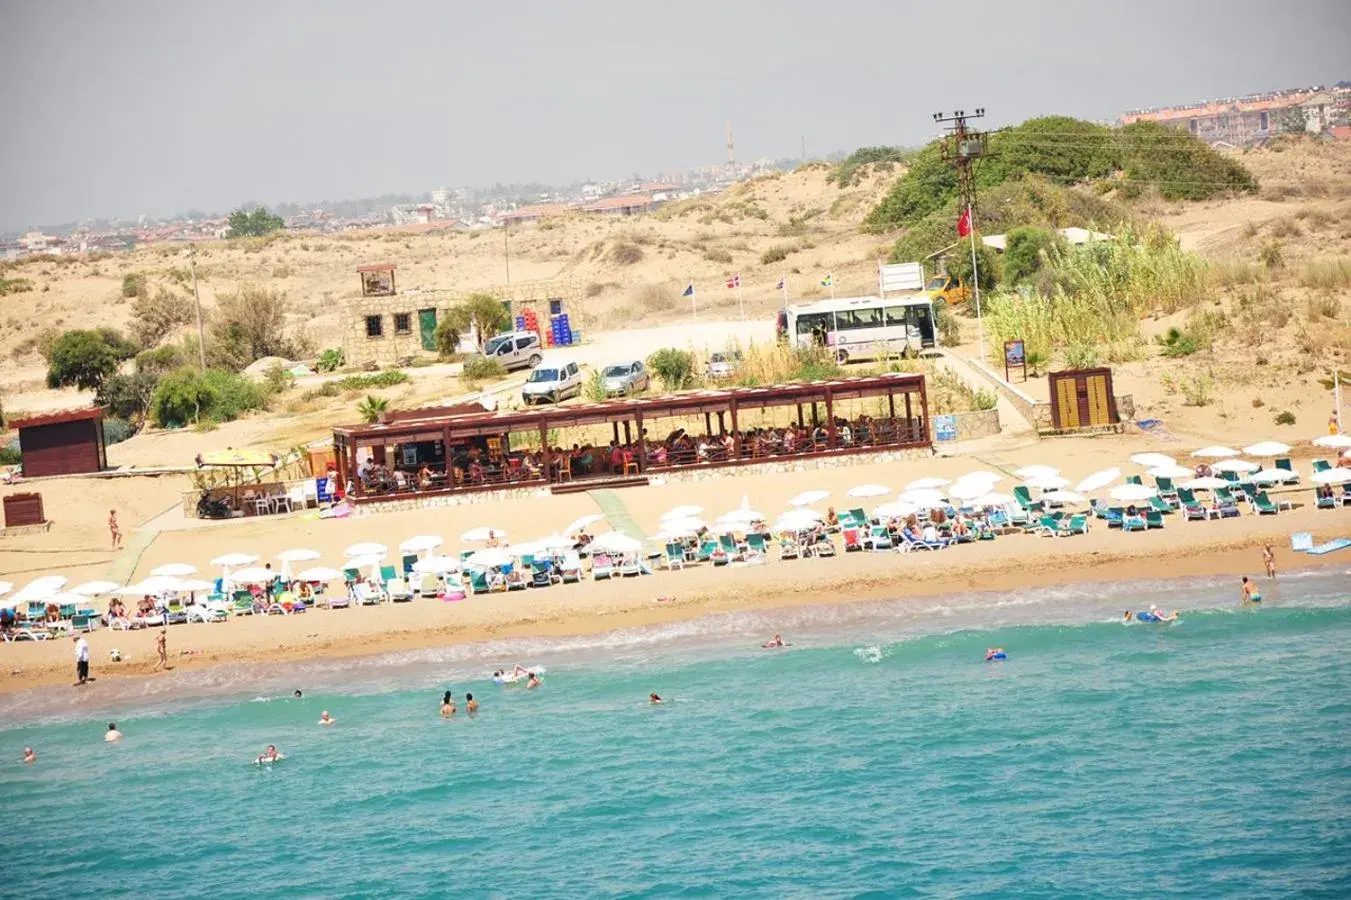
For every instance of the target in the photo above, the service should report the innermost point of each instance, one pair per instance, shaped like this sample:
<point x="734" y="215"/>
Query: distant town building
<point x="1252" y="119"/>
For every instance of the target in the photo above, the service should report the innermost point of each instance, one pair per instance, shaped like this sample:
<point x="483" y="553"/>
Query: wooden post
<point x="736" y="429"/>
<point x="708" y="425"/>
<point x="628" y="435"/>
<point x="800" y="423"/>
<point x="445" y="458"/>
<point x="615" y="426"/>
<point x="642" y="440"/>
<point x="908" y="418"/>
<point x="354" y="475"/>
<point x="546" y="452"/>
<point x="830" y="418"/>
<point x="924" y="411"/>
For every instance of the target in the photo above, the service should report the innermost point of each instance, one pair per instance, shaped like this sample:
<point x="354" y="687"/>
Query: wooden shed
<point x="63" y="442"/>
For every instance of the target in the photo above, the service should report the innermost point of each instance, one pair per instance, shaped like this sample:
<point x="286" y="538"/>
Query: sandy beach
<point x="1220" y="548"/>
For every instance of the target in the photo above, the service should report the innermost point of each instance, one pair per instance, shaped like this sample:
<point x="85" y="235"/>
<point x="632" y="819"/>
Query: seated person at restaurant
<point x="400" y="480"/>
<point x="476" y="471"/>
<point x="702" y="450"/>
<point x="657" y="455"/>
<point x="424" y="477"/>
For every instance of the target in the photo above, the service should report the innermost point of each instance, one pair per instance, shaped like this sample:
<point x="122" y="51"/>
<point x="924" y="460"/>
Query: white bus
<point x="856" y="328"/>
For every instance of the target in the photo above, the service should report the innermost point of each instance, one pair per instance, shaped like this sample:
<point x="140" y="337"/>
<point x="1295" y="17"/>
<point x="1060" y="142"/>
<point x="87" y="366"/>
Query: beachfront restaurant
<point x="444" y="449"/>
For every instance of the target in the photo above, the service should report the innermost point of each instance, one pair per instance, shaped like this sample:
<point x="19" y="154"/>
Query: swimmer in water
<point x="447" y="706"/>
<point x="1249" y="594"/>
<point x="270" y="754"/>
<point x="994" y="653"/>
<point x="534" y="681"/>
<point x="29" y="755"/>
<point x="776" y="642"/>
<point x="470" y="704"/>
<point x="1269" y="560"/>
<point x="112" y="734"/>
<point x="326" y="719"/>
<point x="1127" y="616"/>
<point x="1159" y="615"/>
<point x="653" y="698"/>
<point x="297" y="695"/>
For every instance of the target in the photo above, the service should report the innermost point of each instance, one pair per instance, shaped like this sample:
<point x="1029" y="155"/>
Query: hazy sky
<point x="116" y="108"/>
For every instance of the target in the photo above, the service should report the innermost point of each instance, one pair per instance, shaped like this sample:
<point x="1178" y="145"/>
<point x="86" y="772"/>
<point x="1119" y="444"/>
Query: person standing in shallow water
<point x="447" y="706"/>
<point x="470" y="704"/>
<point x="162" y="648"/>
<point x="1269" y="560"/>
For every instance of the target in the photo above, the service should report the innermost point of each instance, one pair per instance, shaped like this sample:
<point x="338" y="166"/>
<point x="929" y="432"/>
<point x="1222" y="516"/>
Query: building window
<point x="375" y="327"/>
<point x="1265" y="120"/>
<point x="403" y="323"/>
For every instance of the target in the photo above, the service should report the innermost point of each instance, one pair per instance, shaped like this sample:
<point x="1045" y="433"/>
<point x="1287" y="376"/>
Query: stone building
<point x="384" y="327"/>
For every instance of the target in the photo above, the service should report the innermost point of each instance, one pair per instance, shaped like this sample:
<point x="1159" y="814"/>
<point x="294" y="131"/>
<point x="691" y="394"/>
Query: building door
<point x="426" y="324"/>
<point x="1082" y="399"/>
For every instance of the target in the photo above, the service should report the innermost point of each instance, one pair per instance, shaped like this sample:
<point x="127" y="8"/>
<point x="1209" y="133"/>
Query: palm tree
<point x="372" y="408"/>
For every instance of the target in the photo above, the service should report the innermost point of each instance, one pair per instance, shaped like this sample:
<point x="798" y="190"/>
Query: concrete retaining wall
<point x="1038" y="412"/>
<point x="971" y="425"/>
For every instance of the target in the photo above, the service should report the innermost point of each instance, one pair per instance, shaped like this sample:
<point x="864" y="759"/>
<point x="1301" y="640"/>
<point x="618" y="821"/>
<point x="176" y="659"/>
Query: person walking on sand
<point x="1269" y="560"/>
<point x="81" y="659"/>
<point x="113" y="529"/>
<point x="162" y="648"/>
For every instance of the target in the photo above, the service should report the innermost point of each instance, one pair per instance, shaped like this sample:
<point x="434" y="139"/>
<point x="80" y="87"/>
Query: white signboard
<point x="901" y="278"/>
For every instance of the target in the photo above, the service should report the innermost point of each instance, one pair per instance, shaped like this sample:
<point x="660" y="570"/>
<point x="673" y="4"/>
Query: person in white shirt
<point x="112" y="734"/>
<point x="81" y="659"/>
<point x="930" y="534"/>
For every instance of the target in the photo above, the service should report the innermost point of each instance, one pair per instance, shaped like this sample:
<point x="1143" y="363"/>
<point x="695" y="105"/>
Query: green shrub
<point x="14" y="285"/>
<point x="1285" y="417"/>
<point x="83" y="359"/>
<point x="674" y="367"/>
<point x="388" y="378"/>
<point x="331" y="360"/>
<point x="945" y="322"/>
<point x="594" y="387"/>
<point x="1271" y="255"/>
<point x="1177" y="343"/>
<point x="1197" y="390"/>
<point x="626" y="254"/>
<point x="481" y="368"/>
<point x="372" y="408"/>
<point x="1081" y="356"/>
<point x="10" y="455"/>
<point x="129" y="396"/>
<point x="187" y="396"/>
<point x="234" y="394"/>
<point x="850" y="169"/>
<point x="775" y="254"/>
<point x="718" y="256"/>
<point x="115" y="431"/>
<point x="1025" y="251"/>
<point x="133" y="284"/>
<point x="278" y="378"/>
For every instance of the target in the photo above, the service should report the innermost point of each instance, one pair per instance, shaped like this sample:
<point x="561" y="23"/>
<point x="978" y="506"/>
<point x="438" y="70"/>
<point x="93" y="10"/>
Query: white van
<point x="514" y="350"/>
<point x="552" y="383"/>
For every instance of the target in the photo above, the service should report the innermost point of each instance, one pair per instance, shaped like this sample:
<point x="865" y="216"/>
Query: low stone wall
<point x="971" y="425"/>
<point x="667" y="476"/>
<point x="1038" y="412"/>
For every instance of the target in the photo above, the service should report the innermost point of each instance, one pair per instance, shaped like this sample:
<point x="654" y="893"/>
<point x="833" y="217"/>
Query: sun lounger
<point x="789" y="549"/>
<point x="851" y="540"/>
<point x="1321" y="465"/>
<point x="879" y="538"/>
<point x="727" y="543"/>
<point x="1134" y="479"/>
<point x="858" y="518"/>
<point x="1228" y="505"/>
<point x="1018" y="518"/>
<point x="1328" y="502"/>
<point x="1166" y="489"/>
<point x="571" y="567"/>
<point x="1153" y="518"/>
<point x="1024" y="498"/>
<point x="409" y="559"/>
<point x="399" y="591"/>
<point x="1134" y="523"/>
<point x="366" y="595"/>
<point x="1160" y="505"/>
<point x="352" y="576"/>
<point x="907" y="544"/>
<point x="601" y="566"/>
<point x="243" y="603"/>
<point x="542" y="573"/>
<point x="630" y="564"/>
<point x="1076" y="524"/>
<point x="755" y="543"/>
<point x="1262" y="503"/>
<point x="706" y="550"/>
<point x="1191" y="507"/>
<point x="674" y="555"/>
<point x="336" y="600"/>
<point x="1283" y="463"/>
<point x="478" y="582"/>
<point x="1048" y="526"/>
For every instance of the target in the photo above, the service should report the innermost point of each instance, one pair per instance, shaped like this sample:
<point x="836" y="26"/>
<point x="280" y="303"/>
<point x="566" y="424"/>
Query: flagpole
<point x="740" y="299"/>
<point x="783" y="280"/>
<point x="832" y="285"/>
<point x="975" y="283"/>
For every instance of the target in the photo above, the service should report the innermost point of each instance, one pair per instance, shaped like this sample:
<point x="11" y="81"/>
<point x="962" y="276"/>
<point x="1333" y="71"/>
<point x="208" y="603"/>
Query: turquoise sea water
<point x="879" y="756"/>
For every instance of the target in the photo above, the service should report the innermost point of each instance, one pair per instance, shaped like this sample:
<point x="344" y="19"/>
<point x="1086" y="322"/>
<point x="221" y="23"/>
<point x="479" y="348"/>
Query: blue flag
<point x="689" y="291"/>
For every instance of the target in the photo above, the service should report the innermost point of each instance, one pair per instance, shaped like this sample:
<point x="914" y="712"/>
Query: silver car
<point x="624" y="378"/>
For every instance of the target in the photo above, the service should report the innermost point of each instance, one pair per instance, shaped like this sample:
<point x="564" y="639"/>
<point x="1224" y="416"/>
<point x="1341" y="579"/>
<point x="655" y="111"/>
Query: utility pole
<point x="197" y="298"/>
<point x="506" y="248"/>
<point x="731" y="147"/>
<point x="964" y="147"/>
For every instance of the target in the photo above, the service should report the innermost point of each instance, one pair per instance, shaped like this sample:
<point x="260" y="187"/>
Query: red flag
<point x="964" y="223"/>
<point x="734" y="281"/>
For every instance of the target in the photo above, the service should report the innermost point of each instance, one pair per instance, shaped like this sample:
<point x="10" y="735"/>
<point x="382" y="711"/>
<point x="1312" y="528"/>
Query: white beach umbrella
<point x="93" y="588"/>
<point x="524" y="548"/>
<point x="896" y="509"/>
<point x="924" y="497"/>
<point x="1098" y="480"/>
<point x="371" y="561"/>
<point x="554" y="542"/>
<point x="1061" y="496"/>
<point x="682" y="527"/>
<point x="489" y="558"/>
<point x="421" y="543"/>
<point x="298" y="554"/>
<point x="195" y="585"/>
<point x="230" y="560"/>
<point x="922" y="484"/>
<point x="1048" y="482"/>
<point x="1027" y="473"/>
<point x="583" y="522"/>
<point x="1331" y="476"/>
<point x="1215" y="451"/>
<point x="319" y="573"/>
<point x="40" y="588"/>
<point x="1338" y="441"/>
<point x="1235" y="465"/>
<point x="132" y="590"/>
<point x="250" y="575"/>
<point x="615" y="542"/>
<point x="984" y="475"/>
<point x="869" y="490"/>
<point x="742" y="516"/>
<point x="366" y="548"/>
<point x="479" y="535"/>
<point x="1206" y="483"/>
<point x="1266" y="448"/>
<point x="1152" y="460"/>
<point x="1132" y="493"/>
<point x="175" y="570"/>
<point x="1171" y="471"/>
<point x="969" y="490"/>
<point x="437" y="565"/>
<point x="7" y="586"/>
<point x="682" y="512"/>
<point x="1346" y="454"/>
<point x="797" y="520"/>
<point x="993" y="498"/>
<point x="807" y="498"/>
<point x="1269" y="476"/>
